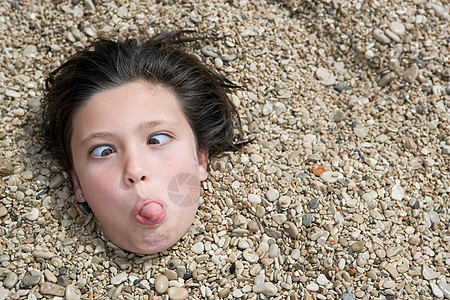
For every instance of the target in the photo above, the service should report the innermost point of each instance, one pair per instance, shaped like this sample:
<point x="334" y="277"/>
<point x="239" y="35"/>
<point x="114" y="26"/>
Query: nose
<point x="135" y="169"/>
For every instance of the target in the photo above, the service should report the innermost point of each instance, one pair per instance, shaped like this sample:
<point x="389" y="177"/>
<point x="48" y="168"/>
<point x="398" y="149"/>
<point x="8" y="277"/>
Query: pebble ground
<point x="343" y="193"/>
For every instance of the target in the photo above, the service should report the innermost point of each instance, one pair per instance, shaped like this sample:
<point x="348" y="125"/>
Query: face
<point x="137" y="165"/>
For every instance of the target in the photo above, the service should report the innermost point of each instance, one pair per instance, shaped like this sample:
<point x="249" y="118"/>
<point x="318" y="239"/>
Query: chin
<point x="153" y="243"/>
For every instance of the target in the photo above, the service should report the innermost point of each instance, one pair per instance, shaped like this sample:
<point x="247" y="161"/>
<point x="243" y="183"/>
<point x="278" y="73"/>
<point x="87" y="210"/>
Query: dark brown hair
<point x="160" y="60"/>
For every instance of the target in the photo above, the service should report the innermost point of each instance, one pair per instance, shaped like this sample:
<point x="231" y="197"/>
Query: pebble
<point x="397" y="192"/>
<point x="3" y="210"/>
<point x="72" y="293"/>
<point x="3" y="293"/>
<point x="224" y="292"/>
<point x="6" y="167"/>
<point x="428" y="273"/>
<point x="313" y="287"/>
<point x="386" y="79"/>
<point x="272" y="194"/>
<point x="274" y="250"/>
<point x="32" y="214"/>
<point x="254" y="199"/>
<point x="237" y="293"/>
<point x="10" y="280"/>
<point x="50" y="276"/>
<point x="12" y="94"/>
<point x="436" y="290"/>
<point x="177" y="293"/>
<point x="161" y="284"/>
<point x="322" y="280"/>
<point x="331" y="177"/>
<point x="243" y="244"/>
<point x="28" y="175"/>
<point x="198" y="248"/>
<point x="347" y="296"/>
<point x="340" y="87"/>
<point x="279" y="218"/>
<point x="411" y="73"/>
<point x="48" y="288"/>
<point x="397" y="28"/>
<point x="445" y="288"/>
<point x="291" y="229"/>
<point x="119" y="278"/>
<point x="56" y="181"/>
<point x="307" y="220"/>
<point x="62" y="280"/>
<point x="175" y="262"/>
<point x="250" y="255"/>
<point x="379" y="35"/>
<point x="31" y="280"/>
<point x="43" y="254"/>
<point x="325" y="76"/>
<point x="439" y="10"/>
<point x="266" y="288"/>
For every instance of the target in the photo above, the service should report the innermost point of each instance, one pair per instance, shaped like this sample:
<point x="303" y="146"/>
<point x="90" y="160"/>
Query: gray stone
<point x="10" y="280"/>
<point x="386" y="79"/>
<point x="56" y="181"/>
<point x="31" y="280"/>
<point x="411" y="73"/>
<point x="307" y="219"/>
<point x="62" y="280"/>
<point x="340" y="87"/>
<point x="291" y="229"/>
<point x="174" y="263"/>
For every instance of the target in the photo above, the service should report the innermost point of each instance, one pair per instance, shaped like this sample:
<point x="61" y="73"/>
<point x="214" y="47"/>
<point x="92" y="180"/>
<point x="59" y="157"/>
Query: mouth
<point x="150" y="212"/>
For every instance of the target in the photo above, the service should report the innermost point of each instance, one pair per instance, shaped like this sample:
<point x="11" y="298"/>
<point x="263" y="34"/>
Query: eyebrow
<point x="152" y="124"/>
<point x="142" y="127"/>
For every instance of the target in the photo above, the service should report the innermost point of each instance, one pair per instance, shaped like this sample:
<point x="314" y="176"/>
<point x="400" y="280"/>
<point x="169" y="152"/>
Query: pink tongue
<point x="152" y="211"/>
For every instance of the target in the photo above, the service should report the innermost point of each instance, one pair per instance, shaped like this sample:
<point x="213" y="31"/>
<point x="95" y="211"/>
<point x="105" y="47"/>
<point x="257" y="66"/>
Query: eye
<point x="102" y="151"/>
<point x="158" y="139"/>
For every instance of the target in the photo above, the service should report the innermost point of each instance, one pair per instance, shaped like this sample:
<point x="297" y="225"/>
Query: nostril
<point x="131" y="180"/>
<point x="142" y="178"/>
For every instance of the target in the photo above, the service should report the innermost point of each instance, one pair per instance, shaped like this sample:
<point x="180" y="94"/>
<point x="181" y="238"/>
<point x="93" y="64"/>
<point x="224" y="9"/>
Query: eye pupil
<point x="158" y="139"/>
<point x="106" y="152"/>
<point x="153" y="141"/>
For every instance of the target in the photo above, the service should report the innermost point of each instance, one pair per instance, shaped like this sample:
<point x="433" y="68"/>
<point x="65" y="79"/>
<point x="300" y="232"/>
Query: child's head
<point x="134" y="123"/>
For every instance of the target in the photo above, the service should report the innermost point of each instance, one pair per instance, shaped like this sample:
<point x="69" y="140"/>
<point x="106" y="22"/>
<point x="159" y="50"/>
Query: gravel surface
<point x="343" y="194"/>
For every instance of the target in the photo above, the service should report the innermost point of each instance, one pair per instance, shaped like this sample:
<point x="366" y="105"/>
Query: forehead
<point x="128" y="106"/>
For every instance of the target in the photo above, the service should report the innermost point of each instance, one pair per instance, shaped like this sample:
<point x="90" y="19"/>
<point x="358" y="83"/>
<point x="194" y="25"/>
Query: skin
<point x="130" y="145"/>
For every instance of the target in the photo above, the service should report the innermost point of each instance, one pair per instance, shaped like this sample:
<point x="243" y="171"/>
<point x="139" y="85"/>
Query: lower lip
<point x="144" y="221"/>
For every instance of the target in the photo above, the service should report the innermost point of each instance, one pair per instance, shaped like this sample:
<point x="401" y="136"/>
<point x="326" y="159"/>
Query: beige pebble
<point x="177" y="293"/>
<point x="161" y="284"/>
